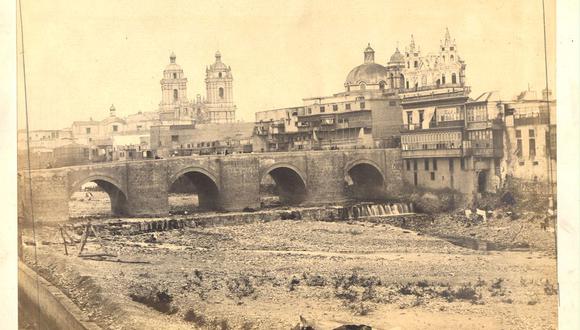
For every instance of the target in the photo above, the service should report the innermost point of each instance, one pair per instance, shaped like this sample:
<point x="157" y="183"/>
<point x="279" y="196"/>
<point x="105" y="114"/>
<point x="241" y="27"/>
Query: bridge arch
<point x="200" y="181"/>
<point x="365" y="180"/>
<point x="113" y="188"/>
<point x="290" y="182"/>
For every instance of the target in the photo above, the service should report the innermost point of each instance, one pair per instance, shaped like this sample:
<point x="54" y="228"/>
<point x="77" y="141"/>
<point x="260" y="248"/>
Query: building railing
<point x="432" y="153"/>
<point x="433" y="125"/>
<point x="535" y="119"/>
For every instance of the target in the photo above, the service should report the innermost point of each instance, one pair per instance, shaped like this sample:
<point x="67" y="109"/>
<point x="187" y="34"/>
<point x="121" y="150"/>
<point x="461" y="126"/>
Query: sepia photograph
<point x="303" y="165"/>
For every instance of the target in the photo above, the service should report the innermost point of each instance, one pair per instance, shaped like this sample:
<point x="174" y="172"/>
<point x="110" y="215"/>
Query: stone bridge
<point x="229" y="183"/>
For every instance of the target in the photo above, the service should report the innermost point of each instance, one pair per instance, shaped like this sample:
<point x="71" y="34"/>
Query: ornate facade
<point x="217" y="107"/>
<point x="410" y="70"/>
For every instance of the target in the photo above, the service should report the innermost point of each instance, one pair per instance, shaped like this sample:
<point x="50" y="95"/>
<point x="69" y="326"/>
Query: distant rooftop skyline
<point x="81" y="57"/>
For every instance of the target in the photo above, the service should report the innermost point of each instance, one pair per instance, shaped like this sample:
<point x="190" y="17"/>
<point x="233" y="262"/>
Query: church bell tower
<point x="220" y="98"/>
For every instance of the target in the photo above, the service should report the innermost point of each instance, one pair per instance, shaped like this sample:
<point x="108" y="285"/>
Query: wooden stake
<point x="84" y="238"/>
<point x="63" y="241"/>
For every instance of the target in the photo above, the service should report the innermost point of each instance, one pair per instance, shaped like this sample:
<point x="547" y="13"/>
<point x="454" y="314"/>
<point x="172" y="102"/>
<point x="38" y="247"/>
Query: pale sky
<point x="82" y="56"/>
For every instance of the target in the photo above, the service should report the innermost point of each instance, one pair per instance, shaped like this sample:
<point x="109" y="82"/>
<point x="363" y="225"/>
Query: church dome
<point x="218" y="64"/>
<point x="397" y="57"/>
<point x="369" y="73"/>
<point x="172" y="66"/>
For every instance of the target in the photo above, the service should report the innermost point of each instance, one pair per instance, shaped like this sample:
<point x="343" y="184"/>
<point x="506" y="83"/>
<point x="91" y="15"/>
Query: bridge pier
<point x="49" y="194"/>
<point x="239" y="183"/>
<point x="147" y="189"/>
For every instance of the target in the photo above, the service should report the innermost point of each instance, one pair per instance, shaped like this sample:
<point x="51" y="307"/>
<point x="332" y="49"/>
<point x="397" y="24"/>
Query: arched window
<point x="402" y="81"/>
<point x="175" y="76"/>
<point x="382" y="85"/>
<point x="453" y="78"/>
<point x="221" y="92"/>
<point x="452" y="58"/>
<point x="220" y="74"/>
<point x="392" y="80"/>
<point x="416" y="64"/>
<point x="175" y="94"/>
<point x="443" y="58"/>
<point x="438" y="82"/>
<point x="443" y="79"/>
<point x="407" y="84"/>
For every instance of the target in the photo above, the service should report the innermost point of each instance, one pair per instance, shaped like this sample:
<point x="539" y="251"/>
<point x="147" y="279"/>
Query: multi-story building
<point x="209" y="138"/>
<point x="530" y="140"/>
<point x="362" y="116"/>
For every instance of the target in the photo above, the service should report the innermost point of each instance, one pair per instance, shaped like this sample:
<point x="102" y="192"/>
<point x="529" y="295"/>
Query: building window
<point x="363" y="86"/>
<point x="362" y="105"/>
<point x="381" y="85"/>
<point x="426" y="164"/>
<point x="453" y="78"/>
<point x="452" y="48"/>
<point x="518" y="134"/>
<point x="115" y="128"/>
<point x="139" y="127"/>
<point x="415" y="164"/>
<point x="88" y="130"/>
<point x="175" y="94"/>
<point x="451" y="58"/>
<point x="175" y="76"/>
<point x="519" y="148"/>
<point x="174" y="138"/>
<point x="409" y="117"/>
<point x="322" y="109"/>
<point x="220" y="74"/>
<point x="407" y="84"/>
<point x="347" y="106"/>
<point x="432" y="176"/>
<point x="421" y="118"/>
<point x="443" y="77"/>
<point x="221" y="92"/>
<point x="408" y="165"/>
<point x="334" y="107"/>
<point x="309" y="110"/>
<point x="434" y="164"/>
<point x="463" y="163"/>
<point x="532" y="147"/>
<point x="451" y="165"/>
<point x="415" y="64"/>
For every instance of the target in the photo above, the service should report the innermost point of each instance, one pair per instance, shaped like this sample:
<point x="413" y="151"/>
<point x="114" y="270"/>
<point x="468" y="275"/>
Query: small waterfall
<point x="375" y="210"/>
